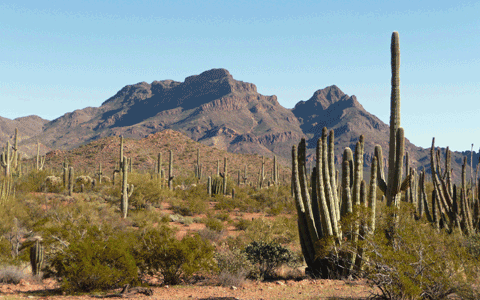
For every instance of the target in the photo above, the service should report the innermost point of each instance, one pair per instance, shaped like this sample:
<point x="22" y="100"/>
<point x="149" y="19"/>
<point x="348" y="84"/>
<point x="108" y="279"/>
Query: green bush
<point x="93" y="263"/>
<point x="233" y="266"/>
<point x="267" y="257"/>
<point x="214" y="224"/>
<point x="159" y="251"/>
<point x="422" y="262"/>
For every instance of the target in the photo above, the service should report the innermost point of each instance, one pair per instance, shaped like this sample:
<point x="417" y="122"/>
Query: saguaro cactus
<point x="70" y="181"/>
<point x="6" y="159"/>
<point x="36" y="257"/>
<point x="15" y="150"/>
<point x="224" y="175"/>
<point x="40" y="160"/>
<point x="127" y="189"/>
<point x="170" y="171"/>
<point x="198" y="166"/>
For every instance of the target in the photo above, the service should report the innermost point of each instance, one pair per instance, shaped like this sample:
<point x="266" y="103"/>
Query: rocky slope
<point x="212" y="108"/>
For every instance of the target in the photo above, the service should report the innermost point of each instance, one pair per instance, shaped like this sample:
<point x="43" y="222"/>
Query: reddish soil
<point x="304" y="289"/>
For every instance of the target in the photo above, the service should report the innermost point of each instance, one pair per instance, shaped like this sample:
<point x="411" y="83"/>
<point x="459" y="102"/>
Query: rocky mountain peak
<point x="210" y="75"/>
<point x="327" y="96"/>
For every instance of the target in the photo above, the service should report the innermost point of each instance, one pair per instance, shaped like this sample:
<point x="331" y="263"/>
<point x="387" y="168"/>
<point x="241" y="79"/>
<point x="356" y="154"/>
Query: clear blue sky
<point x="58" y="56"/>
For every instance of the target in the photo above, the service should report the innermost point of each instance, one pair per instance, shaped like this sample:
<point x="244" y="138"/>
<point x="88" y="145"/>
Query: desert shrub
<point x="267" y="257"/>
<point x="211" y="235"/>
<point x="11" y="274"/>
<point x="32" y="182"/>
<point x="422" y="263"/>
<point x="223" y="216"/>
<point x="194" y="203"/>
<point x="233" y="266"/>
<point x="242" y="224"/>
<point x="214" y="224"/>
<point x="159" y="252"/>
<point x="96" y="263"/>
<point x="144" y="218"/>
<point x="146" y="191"/>
<point x="281" y="230"/>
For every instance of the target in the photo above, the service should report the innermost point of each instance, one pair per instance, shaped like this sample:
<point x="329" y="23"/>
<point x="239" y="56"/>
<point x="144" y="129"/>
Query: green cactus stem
<point x="15" y="150"/>
<point x="209" y="186"/>
<point x="36" y="257"/>
<point x="170" y="170"/>
<point x="70" y="181"/>
<point x="6" y="160"/>
<point x="317" y="212"/>
<point x="127" y="189"/>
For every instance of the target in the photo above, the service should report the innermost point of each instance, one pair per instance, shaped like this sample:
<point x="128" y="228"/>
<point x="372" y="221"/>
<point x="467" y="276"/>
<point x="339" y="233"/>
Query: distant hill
<point x="87" y="158"/>
<point x="28" y="127"/>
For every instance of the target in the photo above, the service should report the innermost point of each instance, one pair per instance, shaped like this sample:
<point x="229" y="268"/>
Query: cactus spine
<point x="36" y="257"/>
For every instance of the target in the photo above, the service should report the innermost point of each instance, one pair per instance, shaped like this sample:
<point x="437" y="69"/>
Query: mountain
<point x="212" y="108"/>
<point x="215" y="109"/>
<point x="331" y="108"/>
<point x="28" y="127"/>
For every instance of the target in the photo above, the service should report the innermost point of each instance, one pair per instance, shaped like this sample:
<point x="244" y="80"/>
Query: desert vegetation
<point x="116" y="213"/>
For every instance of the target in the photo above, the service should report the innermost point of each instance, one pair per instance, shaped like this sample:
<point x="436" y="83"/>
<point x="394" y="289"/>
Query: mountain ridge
<point x="217" y="110"/>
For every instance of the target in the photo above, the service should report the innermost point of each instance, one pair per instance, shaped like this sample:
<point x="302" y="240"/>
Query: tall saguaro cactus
<point x="15" y="150"/>
<point x="70" y="181"/>
<point x="127" y="189"/>
<point x="224" y="175"/>
<point x="170" y="170"/>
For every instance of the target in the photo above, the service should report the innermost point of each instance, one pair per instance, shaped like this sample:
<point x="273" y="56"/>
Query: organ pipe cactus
<point x="319" y="214"/>
<point x="393" y="185"/>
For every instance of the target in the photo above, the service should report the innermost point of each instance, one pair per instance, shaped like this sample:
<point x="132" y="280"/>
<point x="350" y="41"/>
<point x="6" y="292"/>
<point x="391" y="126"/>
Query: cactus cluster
<point x="322" y="212"/>
<point x="451" y="209"/>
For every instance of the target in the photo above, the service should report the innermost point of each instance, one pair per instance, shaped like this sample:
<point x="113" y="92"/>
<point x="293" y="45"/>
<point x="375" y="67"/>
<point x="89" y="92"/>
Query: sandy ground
<point x="303" y="289"/>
